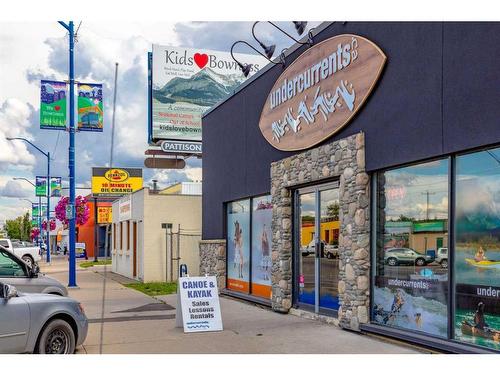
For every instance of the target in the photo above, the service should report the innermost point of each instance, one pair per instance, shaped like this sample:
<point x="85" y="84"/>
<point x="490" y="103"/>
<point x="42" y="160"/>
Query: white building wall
<point x="175" y="209"/>
<point x="191" y="188"/>
<point x="122" y="251"/>
<point x="150" y="211"/>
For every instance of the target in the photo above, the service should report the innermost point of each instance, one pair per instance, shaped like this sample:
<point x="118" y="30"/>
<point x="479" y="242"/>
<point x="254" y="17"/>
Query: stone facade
<point x="213" y="260"/>
<point x="343" y="159"/>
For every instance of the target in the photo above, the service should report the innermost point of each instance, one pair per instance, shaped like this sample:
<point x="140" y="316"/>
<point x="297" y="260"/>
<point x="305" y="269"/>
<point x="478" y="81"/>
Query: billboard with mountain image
<point x="186" y="82"/>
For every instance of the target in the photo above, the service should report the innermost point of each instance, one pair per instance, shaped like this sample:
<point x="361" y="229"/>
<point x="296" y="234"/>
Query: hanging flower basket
<point x="82" y="210"/>
<point x="52" y="225"/>
<point x="35" y="232"/>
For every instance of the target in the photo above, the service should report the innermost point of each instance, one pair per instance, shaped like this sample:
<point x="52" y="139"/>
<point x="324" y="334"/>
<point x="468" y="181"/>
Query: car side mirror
<point x="34" y="270"/>
<point x="9" y="291"/>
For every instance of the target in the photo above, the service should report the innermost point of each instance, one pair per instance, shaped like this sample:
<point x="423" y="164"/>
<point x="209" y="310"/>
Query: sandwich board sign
<point x="198" y="307"/>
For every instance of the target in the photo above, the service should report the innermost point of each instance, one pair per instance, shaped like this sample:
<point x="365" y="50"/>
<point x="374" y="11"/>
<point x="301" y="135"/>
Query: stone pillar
<point x="213" y="260"/>
<point x="343" y="159"/>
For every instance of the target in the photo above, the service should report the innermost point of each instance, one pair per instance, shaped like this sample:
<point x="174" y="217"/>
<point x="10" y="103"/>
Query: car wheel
<point x="392" y="262"/>
<point x="420" y="262"/>
<point x="444" y="263"/>
<point x="57" y="338"/>
<point x="28" y="260"/>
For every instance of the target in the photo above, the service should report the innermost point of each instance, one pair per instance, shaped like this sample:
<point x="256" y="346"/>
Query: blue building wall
<point x="438" y="94"/>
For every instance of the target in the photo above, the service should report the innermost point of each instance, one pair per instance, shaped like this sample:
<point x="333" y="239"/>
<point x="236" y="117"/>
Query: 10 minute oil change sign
<point x="199" y="302"/>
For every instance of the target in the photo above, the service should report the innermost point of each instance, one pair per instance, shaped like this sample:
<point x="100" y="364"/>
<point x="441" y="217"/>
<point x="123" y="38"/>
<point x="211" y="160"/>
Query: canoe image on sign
<point x="319" y="93"/>
<point x="198" y="299"/>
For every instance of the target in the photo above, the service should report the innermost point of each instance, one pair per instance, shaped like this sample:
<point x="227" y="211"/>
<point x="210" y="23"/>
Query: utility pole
<point x="48" y="207"/>
<point x="71" y="156"/>
<point x="427" y="193"/>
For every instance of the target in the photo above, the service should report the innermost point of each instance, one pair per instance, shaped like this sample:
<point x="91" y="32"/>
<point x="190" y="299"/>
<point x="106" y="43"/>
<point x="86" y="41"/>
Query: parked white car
<point x="442" y="257"/>
<point x="30" y="254"/>
<point x="328" y="251"/>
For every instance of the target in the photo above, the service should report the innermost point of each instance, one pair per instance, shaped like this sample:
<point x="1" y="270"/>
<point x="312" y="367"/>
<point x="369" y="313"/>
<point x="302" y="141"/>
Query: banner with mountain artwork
<point x="90" y="111"/>
<point x="188" y="81"/>
<point x="52" y="105"/>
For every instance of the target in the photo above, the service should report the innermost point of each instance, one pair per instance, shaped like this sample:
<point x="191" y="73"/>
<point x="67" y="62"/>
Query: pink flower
<point x="82" y="210"/>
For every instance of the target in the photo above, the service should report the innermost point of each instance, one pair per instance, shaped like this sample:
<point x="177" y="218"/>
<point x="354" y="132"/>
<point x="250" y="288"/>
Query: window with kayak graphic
<point x="411" y="279"/>
<point x="477" y="248"/>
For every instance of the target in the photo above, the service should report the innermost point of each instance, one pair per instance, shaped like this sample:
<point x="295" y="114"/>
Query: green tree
<point x="26" y="227"/>
<point x="19" y="228"/>
<point x="332" y="210"/>
<point x="405" y="218"/>
<point x="13" y="228"/>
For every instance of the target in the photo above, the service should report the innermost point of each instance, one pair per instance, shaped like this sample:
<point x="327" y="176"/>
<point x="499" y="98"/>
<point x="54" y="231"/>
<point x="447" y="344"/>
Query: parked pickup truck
<point x="30" y="254"/>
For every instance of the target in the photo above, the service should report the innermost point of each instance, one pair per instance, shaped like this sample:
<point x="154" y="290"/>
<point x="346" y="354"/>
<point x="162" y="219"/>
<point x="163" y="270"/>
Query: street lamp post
<point x="71" y="157"/>
<point x="47" y="155"/>
<point x="39" y="207"/>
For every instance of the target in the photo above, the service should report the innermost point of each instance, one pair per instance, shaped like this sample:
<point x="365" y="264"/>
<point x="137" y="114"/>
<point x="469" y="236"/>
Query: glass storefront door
<point x="316" y="248"/>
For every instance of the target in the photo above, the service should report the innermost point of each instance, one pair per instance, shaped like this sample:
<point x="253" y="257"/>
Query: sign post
<point x="198" y="307"/>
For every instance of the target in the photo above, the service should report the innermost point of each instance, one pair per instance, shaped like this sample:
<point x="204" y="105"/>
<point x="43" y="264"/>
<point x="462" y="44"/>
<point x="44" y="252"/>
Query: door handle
<point x="320" y="247"/>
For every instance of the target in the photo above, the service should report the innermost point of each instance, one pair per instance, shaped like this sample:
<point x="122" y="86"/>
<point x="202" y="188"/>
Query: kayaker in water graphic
<point x="479" y="321"/>
<point x="480" y="255"/>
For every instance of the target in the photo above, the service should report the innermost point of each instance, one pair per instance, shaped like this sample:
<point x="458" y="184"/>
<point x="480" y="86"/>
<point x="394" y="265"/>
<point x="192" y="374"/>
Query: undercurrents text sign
<point x="199" y="304"/>
<point x="319" y="93"/>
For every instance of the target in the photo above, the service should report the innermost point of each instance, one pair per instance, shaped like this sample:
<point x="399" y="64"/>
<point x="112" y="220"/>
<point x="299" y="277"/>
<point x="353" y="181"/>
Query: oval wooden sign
<point x="320" y="92"/>
<point x="164" y="163"/>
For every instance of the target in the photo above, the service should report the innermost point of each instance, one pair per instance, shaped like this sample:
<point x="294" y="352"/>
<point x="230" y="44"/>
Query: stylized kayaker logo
<point x="116" y="175"/>
<point x="320" y="92"/>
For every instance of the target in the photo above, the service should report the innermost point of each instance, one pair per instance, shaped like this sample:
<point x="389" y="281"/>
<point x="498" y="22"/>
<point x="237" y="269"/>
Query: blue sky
<point x="32" y="51"/>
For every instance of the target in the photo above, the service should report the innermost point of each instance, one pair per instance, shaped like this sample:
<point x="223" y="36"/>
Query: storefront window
<point x="477" y="248"/>
<point x="262" y="215"/>
<point x="238" y="246"/>
<point x="411" y="277"/>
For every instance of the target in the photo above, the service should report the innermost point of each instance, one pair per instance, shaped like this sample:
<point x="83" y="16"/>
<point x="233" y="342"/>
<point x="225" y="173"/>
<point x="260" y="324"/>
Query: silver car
<point x="26" y="278"/>
<point x="40" y="323"/>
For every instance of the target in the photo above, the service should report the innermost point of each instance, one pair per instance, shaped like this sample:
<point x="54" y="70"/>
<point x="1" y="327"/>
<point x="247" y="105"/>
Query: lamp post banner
<point x="41" y="186"/>
<point x="188" y="81"/>
<point x="55" y="186"/>
<point x="35" y="210"/>
<point x="53" y="105"/>
<point x="90" y="110"/>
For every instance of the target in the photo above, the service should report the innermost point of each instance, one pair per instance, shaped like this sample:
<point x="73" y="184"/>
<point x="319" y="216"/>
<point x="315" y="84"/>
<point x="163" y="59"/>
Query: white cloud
<point x="14" y="122"/>
<point x="14" y="189"/>
<point x="166" y="177"/>
<point x="194" y="174"/>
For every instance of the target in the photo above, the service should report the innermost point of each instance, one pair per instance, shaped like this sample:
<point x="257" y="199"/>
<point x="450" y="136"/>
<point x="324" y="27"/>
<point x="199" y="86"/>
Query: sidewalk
<point x="136" y="323"/>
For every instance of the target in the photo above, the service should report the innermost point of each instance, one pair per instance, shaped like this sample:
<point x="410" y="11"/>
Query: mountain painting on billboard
<point x="205" y="88"/>
<point x="186" y="82"/>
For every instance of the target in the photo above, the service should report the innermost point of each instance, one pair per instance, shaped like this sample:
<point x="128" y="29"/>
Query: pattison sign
<point x="320" y="92"/>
